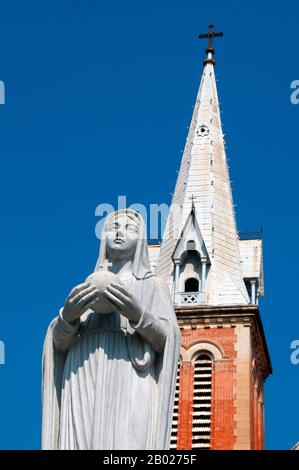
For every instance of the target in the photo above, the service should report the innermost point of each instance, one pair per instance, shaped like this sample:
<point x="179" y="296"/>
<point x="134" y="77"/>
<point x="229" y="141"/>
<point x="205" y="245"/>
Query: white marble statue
<point x="109" y="378"/>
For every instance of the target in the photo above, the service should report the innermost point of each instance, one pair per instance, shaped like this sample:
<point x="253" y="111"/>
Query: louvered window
<point x="175" y="416"/>
<point x="202" y="401"/>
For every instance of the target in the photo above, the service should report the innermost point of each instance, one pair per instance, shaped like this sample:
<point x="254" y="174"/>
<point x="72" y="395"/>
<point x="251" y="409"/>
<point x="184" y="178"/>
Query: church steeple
<point x="219" y="400"/>
<point x="203" y="187"/>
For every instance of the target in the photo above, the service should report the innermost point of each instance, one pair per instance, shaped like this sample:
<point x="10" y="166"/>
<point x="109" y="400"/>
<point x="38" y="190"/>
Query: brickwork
<point x="223" y="408"/>
<point x="234" y="339"/>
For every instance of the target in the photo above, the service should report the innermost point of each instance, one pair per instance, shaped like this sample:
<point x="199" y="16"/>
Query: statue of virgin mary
<point x="109" y="379"/>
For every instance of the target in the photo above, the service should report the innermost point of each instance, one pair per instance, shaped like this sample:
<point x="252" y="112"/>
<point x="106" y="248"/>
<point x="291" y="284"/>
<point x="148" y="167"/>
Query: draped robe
<point x="109" y="383"/>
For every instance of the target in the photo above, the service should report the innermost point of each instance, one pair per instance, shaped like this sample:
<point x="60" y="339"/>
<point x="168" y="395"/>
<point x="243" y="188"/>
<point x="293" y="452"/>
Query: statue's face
<point x="122" y="236"/>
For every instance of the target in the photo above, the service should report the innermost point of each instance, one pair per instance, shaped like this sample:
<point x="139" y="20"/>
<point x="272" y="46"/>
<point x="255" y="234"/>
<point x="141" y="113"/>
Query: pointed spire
<point x="203" y="185"/>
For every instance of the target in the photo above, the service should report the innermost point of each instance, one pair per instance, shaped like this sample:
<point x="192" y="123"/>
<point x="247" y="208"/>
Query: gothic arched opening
<point x="191" y="285"/>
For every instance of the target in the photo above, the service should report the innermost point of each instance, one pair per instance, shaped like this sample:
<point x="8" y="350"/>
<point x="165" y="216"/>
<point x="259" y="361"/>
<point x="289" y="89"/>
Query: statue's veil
<point x="141" y="265"/>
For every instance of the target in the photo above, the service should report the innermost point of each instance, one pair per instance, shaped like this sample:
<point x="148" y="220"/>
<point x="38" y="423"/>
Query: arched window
<point x="175" y="415"/>
<point x="191" y="285"/>
<point x="202" y="402"/>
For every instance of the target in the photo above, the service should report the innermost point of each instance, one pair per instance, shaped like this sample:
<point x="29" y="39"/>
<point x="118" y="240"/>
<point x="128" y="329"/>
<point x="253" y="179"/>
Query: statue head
<point x="124" y="236"/>
<point x="122" y="233"/>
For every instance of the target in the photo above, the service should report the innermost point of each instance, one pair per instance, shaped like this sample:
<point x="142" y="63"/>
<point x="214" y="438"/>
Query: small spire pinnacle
<point x="210" y="50"/>
<point x="192" y="203"/>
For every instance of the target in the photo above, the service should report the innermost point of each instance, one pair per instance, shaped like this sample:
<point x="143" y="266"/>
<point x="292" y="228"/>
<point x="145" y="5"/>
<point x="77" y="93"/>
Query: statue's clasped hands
<point x="123" y="301"/>
<point x="80" y="299"/>
<point x="83" y="296"/>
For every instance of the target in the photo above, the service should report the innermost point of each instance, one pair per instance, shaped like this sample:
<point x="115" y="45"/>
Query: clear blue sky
<point x="98" y="97"/>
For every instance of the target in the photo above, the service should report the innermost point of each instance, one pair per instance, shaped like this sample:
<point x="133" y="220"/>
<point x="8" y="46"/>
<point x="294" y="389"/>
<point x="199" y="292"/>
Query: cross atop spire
<point x="192" y="202"/>
<point x="210" y="36"/>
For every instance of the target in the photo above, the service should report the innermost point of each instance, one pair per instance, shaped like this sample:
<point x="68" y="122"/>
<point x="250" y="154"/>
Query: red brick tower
<point x="215" y="278"/>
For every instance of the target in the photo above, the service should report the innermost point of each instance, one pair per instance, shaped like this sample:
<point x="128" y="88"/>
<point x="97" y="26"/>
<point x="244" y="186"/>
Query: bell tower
<point x="215" y="276"/>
